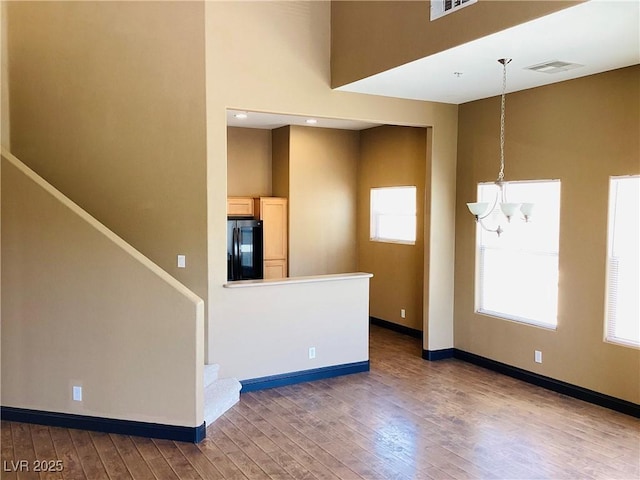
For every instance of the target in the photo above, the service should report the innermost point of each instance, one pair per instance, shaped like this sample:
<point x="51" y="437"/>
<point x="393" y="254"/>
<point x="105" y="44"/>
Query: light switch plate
<point x="182" y="261"/>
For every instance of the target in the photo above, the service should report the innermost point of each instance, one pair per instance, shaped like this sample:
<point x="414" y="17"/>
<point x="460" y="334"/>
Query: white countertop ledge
<point x="293" y="280"/>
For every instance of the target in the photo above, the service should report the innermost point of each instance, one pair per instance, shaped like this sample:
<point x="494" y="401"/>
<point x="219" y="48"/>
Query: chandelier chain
<point x="504" y="89"/>
<point x="508" y="209"/>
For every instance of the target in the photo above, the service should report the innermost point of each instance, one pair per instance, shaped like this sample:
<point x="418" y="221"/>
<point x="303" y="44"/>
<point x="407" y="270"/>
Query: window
<point x="517" y="275"/>
<point x="623" y="272"/>
<point x="393" y="214"/>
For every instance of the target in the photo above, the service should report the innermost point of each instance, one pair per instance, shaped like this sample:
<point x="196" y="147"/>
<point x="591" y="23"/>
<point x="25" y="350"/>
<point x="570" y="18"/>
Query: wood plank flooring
<point x="406" y="419"/>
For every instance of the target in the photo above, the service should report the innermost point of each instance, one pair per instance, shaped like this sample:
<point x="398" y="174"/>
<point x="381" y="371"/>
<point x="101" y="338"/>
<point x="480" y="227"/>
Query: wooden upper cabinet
<point x="273" y="213"/>
<point x="240" y="207"/>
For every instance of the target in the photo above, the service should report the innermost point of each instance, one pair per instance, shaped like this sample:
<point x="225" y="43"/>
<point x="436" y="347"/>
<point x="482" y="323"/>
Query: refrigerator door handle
<point x="234" y="273"/>
<point x="236" y="253"/>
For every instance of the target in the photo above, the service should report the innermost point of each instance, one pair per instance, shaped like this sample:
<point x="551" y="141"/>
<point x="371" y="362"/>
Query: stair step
<point x="219" y="397"/>
<point x="211" y="374"/>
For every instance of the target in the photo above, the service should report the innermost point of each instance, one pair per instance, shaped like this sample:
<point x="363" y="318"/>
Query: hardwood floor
<point x="406" y="419"/>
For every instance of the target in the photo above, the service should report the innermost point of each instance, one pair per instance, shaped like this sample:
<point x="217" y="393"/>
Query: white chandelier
<point x="481" y="210"/>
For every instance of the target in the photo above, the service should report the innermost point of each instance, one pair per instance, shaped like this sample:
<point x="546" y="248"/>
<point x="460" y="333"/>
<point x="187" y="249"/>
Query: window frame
<point x="611" y="212"/>
<point x="479" y="248"/>
<point x="373" y="216"/>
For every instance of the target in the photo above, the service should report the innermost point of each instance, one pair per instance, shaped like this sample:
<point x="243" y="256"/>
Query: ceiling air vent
<point x="554" y="66"/>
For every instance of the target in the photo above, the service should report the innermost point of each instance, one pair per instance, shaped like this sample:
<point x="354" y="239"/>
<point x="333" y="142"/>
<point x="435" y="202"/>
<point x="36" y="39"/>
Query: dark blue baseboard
<point x="597" y="398"/>
<point x="283" y="379"/>
<point x="412" y="332"/>
<point x="434" y="355"/>
<point x="106" y="425"/>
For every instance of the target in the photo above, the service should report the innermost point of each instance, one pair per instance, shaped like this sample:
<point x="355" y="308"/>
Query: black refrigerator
<point x="244" y="249"/>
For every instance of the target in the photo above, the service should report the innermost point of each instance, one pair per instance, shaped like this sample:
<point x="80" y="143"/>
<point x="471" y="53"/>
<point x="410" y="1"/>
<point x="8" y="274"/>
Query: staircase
<point x="220" y="394"/>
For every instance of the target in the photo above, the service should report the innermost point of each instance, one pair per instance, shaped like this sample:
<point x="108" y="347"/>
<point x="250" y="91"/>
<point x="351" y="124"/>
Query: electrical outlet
<point x="403" y="313"/>
<point x="77" y="393"/>
<point x="537" y="356"/>
<point x="312" y="353"/>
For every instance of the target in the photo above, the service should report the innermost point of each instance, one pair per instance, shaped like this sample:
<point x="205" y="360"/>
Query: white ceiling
<point x="601" y="35"/>
<point x="276" y="120"/>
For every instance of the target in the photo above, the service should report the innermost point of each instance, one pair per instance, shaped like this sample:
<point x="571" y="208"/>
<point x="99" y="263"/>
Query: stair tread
<point x="219" y="397"/>
<point x="223" y="384"/>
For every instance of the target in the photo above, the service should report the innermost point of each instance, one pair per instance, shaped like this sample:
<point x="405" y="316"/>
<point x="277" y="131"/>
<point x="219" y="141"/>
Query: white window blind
<point x="517" y="275"/>
<point x="623" y="272"/>
<point x="393" y="214"/>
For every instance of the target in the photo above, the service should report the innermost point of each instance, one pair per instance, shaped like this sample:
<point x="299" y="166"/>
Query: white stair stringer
<point x="219" y="397"/>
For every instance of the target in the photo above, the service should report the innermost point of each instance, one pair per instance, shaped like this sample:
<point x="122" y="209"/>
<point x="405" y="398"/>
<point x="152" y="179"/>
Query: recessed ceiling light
<point x="311" y="121"/>
<point x="241" y="116"/>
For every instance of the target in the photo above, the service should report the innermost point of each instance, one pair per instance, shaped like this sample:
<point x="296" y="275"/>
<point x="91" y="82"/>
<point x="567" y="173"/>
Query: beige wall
<point x="393" y="156"/>
<point x="248" y="162"/>
<point x="322" y="201"/>
<point x="4" y="78"/>
<point x="284" y="55"/>
<point x="275" y="325"/>
<point x="316" y="169"/>
<point x="108" y="104"/>
<point x="440" y="248"/>
<point x="81" y="307"/>
<point x="581" y="132"/>
<point x="371" y="37"/>
<point x="4" y="124"/>
<point x="280" y="161"/>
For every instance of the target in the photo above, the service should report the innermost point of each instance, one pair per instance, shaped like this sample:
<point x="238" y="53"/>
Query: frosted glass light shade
<point x="478" y="208"/>
<point x="509" y="209"/>
<point x="526" y="209"/>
